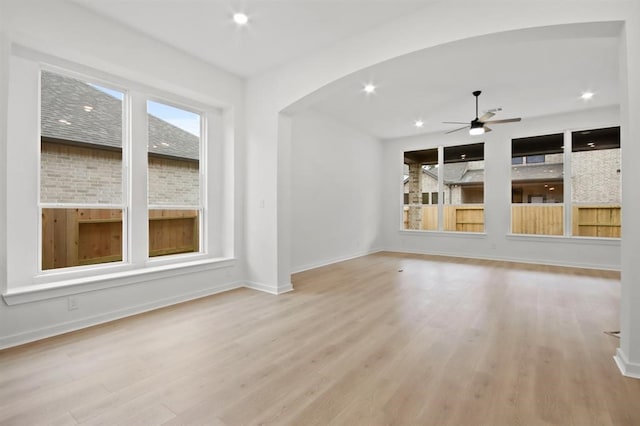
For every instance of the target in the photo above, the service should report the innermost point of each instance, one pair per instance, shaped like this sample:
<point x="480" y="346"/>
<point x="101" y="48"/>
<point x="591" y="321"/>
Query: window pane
<point x="421" y="178"/>
<point x="174" y="154"/>
<point x="595" y="183"/>
<point x="81" y="142"/>
<point x="74" y="237"/>
<point x="173" y="232"/>
<point x="464" y="188"/>
<point x="537" y="190"/>
<point x="173" y="180"/>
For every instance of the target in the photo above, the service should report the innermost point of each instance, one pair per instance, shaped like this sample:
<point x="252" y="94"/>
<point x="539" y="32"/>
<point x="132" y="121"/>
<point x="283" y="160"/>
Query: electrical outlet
<point x="72" y="303"/>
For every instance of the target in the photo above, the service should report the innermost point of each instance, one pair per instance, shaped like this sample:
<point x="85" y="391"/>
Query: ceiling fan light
<point x="477" y="128"/>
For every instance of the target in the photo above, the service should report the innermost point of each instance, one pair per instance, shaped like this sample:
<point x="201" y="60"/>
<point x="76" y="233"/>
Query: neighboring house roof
<point x="454" y="172"/>
<point x="64" y="98"/>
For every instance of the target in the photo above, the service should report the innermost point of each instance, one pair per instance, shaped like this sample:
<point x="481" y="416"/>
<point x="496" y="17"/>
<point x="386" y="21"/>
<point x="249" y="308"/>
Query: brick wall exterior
<point x="82" y="175"/>
<point x="415" y="196"/>
<point x="173" y="182"/>
<point x="72" y="174"/>
<point x="595" y="176"/>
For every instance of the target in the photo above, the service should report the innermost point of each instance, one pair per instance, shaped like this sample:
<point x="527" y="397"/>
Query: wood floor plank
<point x="385" y="339"/>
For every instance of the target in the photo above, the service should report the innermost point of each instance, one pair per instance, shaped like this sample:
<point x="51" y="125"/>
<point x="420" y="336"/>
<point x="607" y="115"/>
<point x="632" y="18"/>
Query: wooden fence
<point x="537" y="219"/>
<point x="73" y="237"/>
<point x="464" y="218"/>
<point x="597" y="221"/>
<point x="591" y="220"/>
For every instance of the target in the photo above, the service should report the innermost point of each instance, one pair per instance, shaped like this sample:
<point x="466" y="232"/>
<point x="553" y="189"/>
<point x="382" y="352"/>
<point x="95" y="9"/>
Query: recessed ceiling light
<point x="419" y="123"/>
<point x="587" y="95"/>
<point x="63" y="121"/>
<point x="88" y="108"/>
<point x="369" y="88"/>
<point x="240" y="18"/>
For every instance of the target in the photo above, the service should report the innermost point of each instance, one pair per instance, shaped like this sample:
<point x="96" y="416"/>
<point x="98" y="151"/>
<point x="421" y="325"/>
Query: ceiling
<point x="278" y="30"/>
<point x="527" y="73"/>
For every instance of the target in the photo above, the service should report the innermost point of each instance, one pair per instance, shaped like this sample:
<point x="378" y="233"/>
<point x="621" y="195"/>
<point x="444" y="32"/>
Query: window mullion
<point x="566" y="182"/>
<point x="440" y="188"/>
<point x="137" y="212"/>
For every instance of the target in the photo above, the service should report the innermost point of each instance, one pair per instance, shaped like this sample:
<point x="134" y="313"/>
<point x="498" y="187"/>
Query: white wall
<point x="71" y="33"/>
<point x="335" y="180"/>
<point x="628" y="355"/>
<point x="496" y="243"/>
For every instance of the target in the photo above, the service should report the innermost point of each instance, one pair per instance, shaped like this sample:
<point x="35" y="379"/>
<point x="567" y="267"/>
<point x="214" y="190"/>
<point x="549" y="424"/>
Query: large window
<point x="458" y="175"/>
<point x="463" y="188"/>
<point x="173" y="180"/>
<point x="591" y="191"/>
<point x="420" y="182"/>
<point x="85" y="216"/>
<point x="537" y="185"/>
<point x="595" y="183"/>
<point x="81" y="178"/>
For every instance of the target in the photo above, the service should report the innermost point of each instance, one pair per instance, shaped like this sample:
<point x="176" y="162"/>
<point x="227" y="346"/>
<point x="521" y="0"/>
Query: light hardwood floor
<point x="382" y="339"/>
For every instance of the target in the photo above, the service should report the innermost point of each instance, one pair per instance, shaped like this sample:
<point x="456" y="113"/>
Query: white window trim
<point x="567" y="195"/>
<point x="441" y="203"/>
<point x="26" y="281"/>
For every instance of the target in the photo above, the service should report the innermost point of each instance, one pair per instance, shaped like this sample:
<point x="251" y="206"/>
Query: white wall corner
<point x="629" y="369"/>
<point x="266" y="288"/>
<point x="326" y="262"/>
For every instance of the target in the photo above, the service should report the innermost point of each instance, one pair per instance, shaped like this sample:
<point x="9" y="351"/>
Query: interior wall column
<point x="628" y="354"/>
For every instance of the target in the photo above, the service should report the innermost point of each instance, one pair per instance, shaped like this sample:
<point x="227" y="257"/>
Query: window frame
<point x="26" y="281"/>
<point x="567" y="204"/>
<point x="202" y="182"/>
<point x="441" y="191"/>
<point x="125" y="158"/>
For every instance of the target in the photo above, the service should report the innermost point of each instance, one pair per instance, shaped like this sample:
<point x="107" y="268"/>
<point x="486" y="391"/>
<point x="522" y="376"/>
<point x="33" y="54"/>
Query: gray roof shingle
<point x="64" y="117"/>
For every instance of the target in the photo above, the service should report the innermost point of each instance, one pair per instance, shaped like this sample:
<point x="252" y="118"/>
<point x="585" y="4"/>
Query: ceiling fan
<point x="478" y="124"/>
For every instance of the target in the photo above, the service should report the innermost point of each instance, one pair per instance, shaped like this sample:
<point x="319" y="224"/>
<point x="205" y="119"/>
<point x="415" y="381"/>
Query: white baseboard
<point x="66" y="327"/>
<point x="280" y="289"/>
<point x="600" y="267"/>
<point x="627" y="368"/>
<point x="325" y="262"/>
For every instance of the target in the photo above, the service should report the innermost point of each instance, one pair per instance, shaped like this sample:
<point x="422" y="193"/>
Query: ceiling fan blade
<point x="487" y="115"/>
<point x="455" y="122"/>
<point x="456" y="130"/>
<point x="486" y="129"/>
<point x="506" y="120"/>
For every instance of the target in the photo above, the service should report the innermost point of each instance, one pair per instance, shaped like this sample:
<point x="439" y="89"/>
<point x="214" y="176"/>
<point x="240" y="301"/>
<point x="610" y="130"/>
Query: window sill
<point x="565" y="239"/>
<point x="37" y="292"/>
<point x="456" y="234"/>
